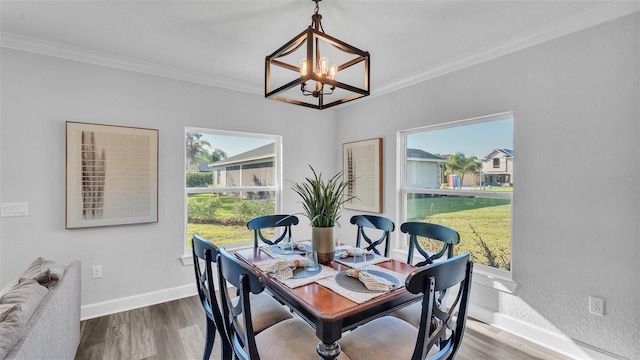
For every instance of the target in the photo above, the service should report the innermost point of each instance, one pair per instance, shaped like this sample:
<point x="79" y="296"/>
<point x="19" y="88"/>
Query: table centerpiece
<point x="322" y="202"/>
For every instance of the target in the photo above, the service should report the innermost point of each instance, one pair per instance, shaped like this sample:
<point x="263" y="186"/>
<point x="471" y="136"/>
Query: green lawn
<point x="484" y="224"/>
<point x="226" y="210"/>
<point x="219" y="234"/>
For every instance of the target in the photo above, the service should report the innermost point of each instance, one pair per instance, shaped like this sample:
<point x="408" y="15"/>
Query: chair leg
<point x="227" y="353"/>
<point x="210" y="338"/>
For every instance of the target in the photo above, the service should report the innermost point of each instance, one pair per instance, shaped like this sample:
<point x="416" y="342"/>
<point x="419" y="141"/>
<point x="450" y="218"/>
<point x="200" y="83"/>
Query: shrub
<point x="203" y="209"/>
<point x="248" y="209"/>
<point x="198" y="179"/>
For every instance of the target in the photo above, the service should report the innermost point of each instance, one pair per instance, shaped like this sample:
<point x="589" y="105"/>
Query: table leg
<point x="328" y="351"/>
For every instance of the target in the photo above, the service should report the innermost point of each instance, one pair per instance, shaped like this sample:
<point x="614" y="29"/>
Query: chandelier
<point x="315" y="75"/>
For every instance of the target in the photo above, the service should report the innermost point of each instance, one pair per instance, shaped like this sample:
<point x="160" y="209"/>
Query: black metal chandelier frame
<point x="324" y="84"/>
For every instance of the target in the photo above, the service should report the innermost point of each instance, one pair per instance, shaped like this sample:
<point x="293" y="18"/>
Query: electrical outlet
<point x="596" y="305"/>
<point x="96" y="272"/>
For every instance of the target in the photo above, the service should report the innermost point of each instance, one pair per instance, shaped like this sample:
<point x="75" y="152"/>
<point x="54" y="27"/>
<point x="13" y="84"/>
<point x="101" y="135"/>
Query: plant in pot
<point x="322" y="202"/>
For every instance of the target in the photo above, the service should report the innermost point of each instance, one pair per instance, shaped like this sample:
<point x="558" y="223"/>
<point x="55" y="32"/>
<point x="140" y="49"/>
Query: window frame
<point x="276" y="188"/>
<point x="498" y="278"/>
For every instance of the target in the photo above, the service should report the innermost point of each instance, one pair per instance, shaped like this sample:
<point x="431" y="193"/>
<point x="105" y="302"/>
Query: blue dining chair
<point x="447" y="237"/>
<point x="271" y="222"/>
<point x="439" y="342"/>
<point x="289" y="339"/>
<point x="268" y="310"/>
<point x="383" y="224"/>
<point x="202" y="249"/>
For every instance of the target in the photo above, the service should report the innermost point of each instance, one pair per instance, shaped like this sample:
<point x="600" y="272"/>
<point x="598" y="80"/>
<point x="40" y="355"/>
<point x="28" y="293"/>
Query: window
<point x="450" y="177"/>
<point x="230" y="178"/>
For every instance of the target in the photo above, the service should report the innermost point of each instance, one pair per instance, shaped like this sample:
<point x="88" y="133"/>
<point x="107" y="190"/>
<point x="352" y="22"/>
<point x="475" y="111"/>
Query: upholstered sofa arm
<point x="53" y="332"/>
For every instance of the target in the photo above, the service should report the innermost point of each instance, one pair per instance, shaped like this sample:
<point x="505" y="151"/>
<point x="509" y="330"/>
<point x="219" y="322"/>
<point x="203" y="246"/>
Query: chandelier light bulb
<point x="303" y="67"/>
<point x="323" y="66"/>
<point x="333" y="70"/>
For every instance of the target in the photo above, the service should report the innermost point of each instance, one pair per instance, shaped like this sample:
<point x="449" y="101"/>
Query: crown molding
<point x="521" y="41"/>
<point x="570" y="25"/>
<point x="38" y="46"/>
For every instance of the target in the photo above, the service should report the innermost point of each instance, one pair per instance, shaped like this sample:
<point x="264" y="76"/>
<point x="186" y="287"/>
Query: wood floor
<point x="175" y="331"/>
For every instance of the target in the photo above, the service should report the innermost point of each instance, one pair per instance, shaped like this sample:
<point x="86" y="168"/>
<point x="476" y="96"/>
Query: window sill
<point x="495" y="279"/>
<point x="187" y="260"/>
<point x="483" y="275"/>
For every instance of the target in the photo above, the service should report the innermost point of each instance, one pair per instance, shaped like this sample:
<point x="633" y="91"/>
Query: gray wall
<point x="575" y="221"/>
<point x="576" y="203"/>
<point x="40" y="93"/>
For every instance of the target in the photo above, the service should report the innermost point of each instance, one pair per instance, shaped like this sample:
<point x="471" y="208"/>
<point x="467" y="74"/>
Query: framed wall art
<point x="362" y="163"/>
<point x="111" y="175"/>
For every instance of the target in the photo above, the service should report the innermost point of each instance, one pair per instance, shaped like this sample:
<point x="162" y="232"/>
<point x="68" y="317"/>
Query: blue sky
<point x="234" y="145"/>
<point x="477" y="139"/>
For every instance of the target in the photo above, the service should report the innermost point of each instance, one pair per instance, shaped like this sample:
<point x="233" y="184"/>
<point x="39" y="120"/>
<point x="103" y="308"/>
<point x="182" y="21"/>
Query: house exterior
<point x="203" y="166"/>
<point x="251" y="168"/>
<point x="497" y="167"/>
<point x="423" y="169"/>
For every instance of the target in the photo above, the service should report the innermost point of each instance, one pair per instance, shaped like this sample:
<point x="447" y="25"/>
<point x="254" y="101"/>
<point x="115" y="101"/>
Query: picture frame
<point x="111" y="175"/>
<point x="362" y="164"/>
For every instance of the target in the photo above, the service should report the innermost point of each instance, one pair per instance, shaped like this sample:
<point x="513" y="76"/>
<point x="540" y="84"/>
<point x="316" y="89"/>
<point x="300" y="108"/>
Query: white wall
<point x="574" y="235"/>
<point x="577" y="202"/>
<point x="40" y="93"/>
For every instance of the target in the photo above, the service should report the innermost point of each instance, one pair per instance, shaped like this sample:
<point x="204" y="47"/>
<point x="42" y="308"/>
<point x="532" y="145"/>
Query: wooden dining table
<point x="326" y="310"/>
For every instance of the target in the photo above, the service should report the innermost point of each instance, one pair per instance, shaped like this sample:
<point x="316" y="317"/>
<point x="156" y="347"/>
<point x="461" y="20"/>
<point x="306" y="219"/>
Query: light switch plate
<point x="15" y="209"/>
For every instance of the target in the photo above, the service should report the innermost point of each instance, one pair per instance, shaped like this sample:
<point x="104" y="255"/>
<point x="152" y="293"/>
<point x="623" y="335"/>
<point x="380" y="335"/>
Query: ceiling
<point x="224" y="43"/>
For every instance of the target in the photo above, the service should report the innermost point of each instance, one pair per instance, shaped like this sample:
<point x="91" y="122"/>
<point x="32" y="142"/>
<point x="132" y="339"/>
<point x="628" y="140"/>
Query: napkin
<point x="296" y="246"/>
<point x="372" y="282"/>
<point x="354" y="252"/>
<point x="284" y="268"/>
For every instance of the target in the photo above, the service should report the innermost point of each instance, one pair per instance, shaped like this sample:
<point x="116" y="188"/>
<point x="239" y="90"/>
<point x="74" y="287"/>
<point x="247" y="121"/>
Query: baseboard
<point x="133" y="302"/>
<point x="549" y="339"/>
<point x="538" y="335"/>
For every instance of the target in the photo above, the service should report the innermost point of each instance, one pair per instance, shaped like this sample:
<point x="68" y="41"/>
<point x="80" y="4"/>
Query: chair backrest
<point x="373" y="222"/>
<point x="205" y="250"/>
<point x="443" y="328"/>
<point x="269" y="222"/>
<point x="448" y="236"/>
<point x="239" y="328"/>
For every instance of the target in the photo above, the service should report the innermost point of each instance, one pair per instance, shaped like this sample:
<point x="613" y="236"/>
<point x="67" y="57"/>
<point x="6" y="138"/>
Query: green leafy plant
<point x="196" y="179"/>
<point x="203" y="209"/>
<point x="247" y="209"/>
<point x="322" y="200"/>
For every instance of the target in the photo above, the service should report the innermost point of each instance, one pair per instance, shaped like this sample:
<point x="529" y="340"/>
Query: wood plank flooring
<point x="175" y="331"/>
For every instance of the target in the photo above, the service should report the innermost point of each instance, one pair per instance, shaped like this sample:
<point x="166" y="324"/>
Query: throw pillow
<point x="46" y="272"/>
<point x="28" y="294"/>
<point x="10" y="328"/>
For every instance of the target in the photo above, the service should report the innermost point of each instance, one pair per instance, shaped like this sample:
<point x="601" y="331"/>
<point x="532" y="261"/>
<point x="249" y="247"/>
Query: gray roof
<point x="421" y="154"/>
<point x="507" y="152"/>
<point x="203" y="166"/>
<point x="253" y="154"/>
